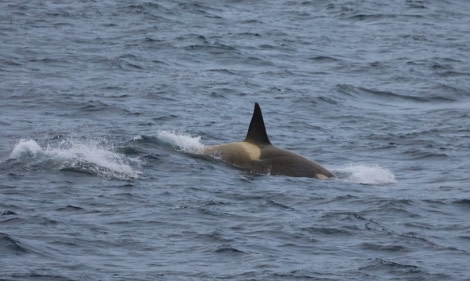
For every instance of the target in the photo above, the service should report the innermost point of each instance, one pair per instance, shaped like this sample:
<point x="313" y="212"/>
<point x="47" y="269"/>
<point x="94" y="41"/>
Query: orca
<point x="256" y="154"/>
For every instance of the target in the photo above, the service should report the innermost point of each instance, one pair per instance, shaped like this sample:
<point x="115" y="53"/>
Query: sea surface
<point x="105" y="107"/>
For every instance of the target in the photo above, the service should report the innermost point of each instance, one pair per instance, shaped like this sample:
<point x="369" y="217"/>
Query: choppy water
<point x="105" y="105"/>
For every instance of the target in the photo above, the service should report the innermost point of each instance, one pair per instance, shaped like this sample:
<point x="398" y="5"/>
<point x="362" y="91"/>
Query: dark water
<point x="105" y="105"/>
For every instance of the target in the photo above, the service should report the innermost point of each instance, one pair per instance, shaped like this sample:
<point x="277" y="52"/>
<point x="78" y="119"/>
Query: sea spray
<point x="181" y="141"/>
<point x="87" y="156"/>
<point x="365" y="174"/>
<point x="25" y="148"/>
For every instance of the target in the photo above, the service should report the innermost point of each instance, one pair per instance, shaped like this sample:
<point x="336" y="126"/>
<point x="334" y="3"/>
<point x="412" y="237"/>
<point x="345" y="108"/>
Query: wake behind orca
<point x="256" y="154"/>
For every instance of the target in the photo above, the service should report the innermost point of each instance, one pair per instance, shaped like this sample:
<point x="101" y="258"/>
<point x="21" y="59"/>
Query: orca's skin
<point x="256" y="154"/>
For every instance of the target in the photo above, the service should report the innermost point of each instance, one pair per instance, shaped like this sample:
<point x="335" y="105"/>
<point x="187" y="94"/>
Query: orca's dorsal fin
<point x="257" y="132"/>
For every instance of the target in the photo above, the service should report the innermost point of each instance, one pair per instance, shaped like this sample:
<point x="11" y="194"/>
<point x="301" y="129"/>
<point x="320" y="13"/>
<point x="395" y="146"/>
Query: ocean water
<point x="106" y="105"/>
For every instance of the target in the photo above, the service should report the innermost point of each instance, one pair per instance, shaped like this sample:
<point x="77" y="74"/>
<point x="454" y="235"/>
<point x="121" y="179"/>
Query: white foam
<point x="365" y="174"/>
<point x="181" y="140"/>
<point x="25" y="148"/>
<point x="89" y="156"/>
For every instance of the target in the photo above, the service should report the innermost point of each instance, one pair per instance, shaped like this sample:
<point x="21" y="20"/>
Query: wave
<point x="381" y="264"/>
<point x="89" y="157"/>
<point x="388" y="97"/>
<point x="11" y="245"/>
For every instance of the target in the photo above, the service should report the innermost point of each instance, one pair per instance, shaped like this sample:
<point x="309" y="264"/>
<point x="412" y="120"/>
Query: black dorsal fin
<point x="257" y="132"/>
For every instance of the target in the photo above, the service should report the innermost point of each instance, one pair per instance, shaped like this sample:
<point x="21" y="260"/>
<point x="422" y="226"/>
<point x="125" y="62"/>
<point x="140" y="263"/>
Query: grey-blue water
<point x="106" y="104"/>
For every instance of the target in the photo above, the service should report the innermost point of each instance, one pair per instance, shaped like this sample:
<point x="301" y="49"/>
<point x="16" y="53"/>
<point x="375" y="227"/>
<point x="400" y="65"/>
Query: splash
<point x="25" y="148"/>
<point x="181" y="141"/>
<point x="89" y="157"/>
<point x="365" y="174"/>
